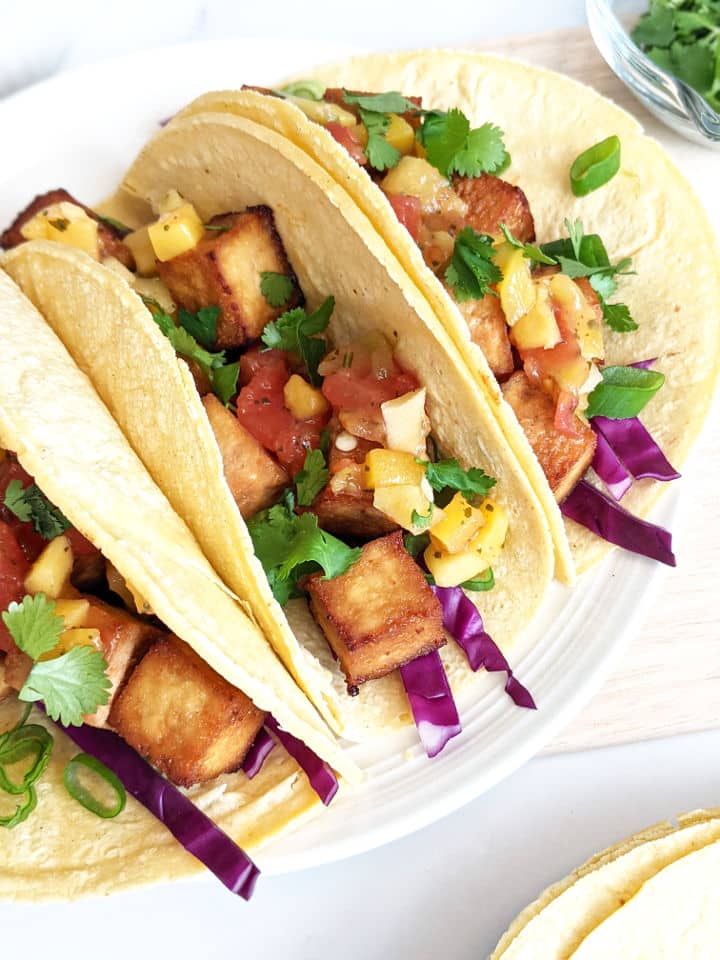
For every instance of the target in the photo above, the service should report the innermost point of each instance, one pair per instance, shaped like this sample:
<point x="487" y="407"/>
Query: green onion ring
<point x="83" y="795"/>
<point x="21" y="743"/>
<point x="479" y="584"/>
<point x="22" y="811"/>
<point x="595" y="166"/>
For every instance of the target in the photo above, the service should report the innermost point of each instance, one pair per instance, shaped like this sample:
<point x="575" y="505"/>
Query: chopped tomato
<point x="349" y="139"/>
<point x="261" y="410"/>
<point x="407" y="210"/>
<point x="356" y="393"/>
<point x="565" y="420"/>
<point x="81" y="546"/>
<point x="562" y="364"/>
<point x="14" y="567"/>
<point x="259" y="359"/>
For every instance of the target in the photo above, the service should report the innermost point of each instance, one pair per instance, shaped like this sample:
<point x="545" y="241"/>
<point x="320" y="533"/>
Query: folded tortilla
<point x="648" y="212"/>
<point x="225" y="163"/>
<point x="51" y="417"/>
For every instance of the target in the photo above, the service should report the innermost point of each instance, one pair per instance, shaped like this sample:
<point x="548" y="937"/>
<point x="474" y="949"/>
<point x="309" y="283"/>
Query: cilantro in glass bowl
<point x="667" y="52"/>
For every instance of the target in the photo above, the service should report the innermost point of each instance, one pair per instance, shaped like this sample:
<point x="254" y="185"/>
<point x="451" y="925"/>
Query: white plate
<point x="80" y="131"/>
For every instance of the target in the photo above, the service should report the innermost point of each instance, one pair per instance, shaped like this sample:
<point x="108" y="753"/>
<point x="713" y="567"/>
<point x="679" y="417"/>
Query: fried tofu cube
<point x="110" y="242"/>
<point x="185" y="718"/>
<point x="379" y="615"/>
<point x="5" y="688"/>
<point x="351" y="515"/>
<point x="123" y="640"/>
<point x="488" y="329"/>
<point x="492" y="201"/>
<point x="255" y="478"/>
<point x="563" y="459"/>
<point x="17" y="667"/>
<point x="224" y="270"/>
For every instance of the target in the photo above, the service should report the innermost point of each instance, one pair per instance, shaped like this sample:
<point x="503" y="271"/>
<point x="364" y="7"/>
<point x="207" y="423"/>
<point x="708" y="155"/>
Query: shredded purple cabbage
<point x="188" y="824"/>
<point x="258" y="753"/>
<point x="634" y="446"/>
<point x="644" y="364"/>
<point x="609" y="467"/>
<point x="462" y="620"/>
<point x="601" y="515"/>
<point x="431" y="702"/>
<point x="321" y="776"/>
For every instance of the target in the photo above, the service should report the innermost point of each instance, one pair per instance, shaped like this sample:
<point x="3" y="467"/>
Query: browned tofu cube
<point x="350" y="515"/>
<point x="17" y="666"/>
<point x="255" y="479"/>
<point x="186" y="719"/>
<point x="488" y="329"/>
<point x="380" y="614"/>
<point x="563" y="459"/>
<point x="5" y="688"/>
<point x="109" y="239"/>
<point x="492" y="201"/>
<point x="124" y="639"/>
<point x="224" y="270"/>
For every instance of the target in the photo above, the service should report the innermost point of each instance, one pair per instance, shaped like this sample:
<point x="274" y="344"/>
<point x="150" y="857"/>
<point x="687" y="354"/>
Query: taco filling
<point x="327" y="449"/>
<point x="537" y="312"/>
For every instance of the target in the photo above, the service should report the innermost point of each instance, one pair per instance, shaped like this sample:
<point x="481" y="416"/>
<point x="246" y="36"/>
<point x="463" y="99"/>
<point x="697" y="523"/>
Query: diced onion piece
<point x="154" y="289"/>
<point x="73" y="612"/>
<point x="171" y="201"/>
<point x="579" y="316"/>
<point x="131" y="597"/>
<point x="415" y="177"/>
<point x="388" y="468"/>
<point x="348" y="479"/>
<point x="64" y="223"/>
<point x="142" y="250"/>
<point x="400" y="501"/>
<point x="176" y="232"/>
<point x="461" y="523"/>
<point x="516" y="289"/>
<point x="538" y="327"/>
<point x="406" y="423"/>
<point x="400" y="134"/>
<point x="321" y="112"/>
<point x="302" y="400"/>
<point x="50" y="574"/>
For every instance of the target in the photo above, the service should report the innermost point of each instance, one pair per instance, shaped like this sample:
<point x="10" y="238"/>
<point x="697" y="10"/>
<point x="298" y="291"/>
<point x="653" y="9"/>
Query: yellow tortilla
<point x="648" y="211"/>
<point x="557" y="923"/>
<point x="227" y="163"/>
<point x="53" y="419"/>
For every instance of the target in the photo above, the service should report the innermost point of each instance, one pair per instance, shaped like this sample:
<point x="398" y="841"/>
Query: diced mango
<point x="491" y="537"/>
<point x="321" y="112"/>
<point x="580" y="316"/>
<point x="516" y="289"/>
<point x="399" y="503"/>
<point x="538" y="327"/>
<point x="360" y="133"/>
<point x="50" y="574"/>
<point x="74" y="637"/>
<point x="400" y="134"/>
<point x="415" y="177"/>
<point x="64" y="223"/>
<point x="452" y="569"/>
<point x="142" y="250"/>
<point x="391" y="468"/>
<point x="460" y="524"/>
<point x="73" y="612"/>
<point x="406" y="423"/>
<point x="176" y="232"/>
<point x="302" y="400"/>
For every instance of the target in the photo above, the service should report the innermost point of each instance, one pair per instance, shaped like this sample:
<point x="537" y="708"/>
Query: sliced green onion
<point x="595" y="166"/>
<point x="306" y="89"/>
<point x="116" y="225"/>
<point x="28" y="740"/>
<point x="479" y="584"/>
<point x="71" y="779"/>
<point x="22" y="811"/>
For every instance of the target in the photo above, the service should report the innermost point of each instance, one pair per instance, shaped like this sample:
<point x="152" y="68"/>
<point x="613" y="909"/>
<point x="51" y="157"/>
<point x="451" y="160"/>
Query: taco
<point x="464" y="171"/>
<point x="354" y="430"/>
<point x="114" y="621"/>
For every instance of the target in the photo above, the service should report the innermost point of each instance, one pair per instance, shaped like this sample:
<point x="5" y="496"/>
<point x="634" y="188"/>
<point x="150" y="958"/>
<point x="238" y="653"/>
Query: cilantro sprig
<point x="453" y="147"/>
<point x="277" y="288"/>
<point x="223" y="376"/>
<point x="683" y="37"/>
<point x="31" y="505"/>
<point x="446" y="475"/>
<point x="389" y="102"/>
<point x="312" y="478"/>
<point x="296" y="331"/>
<point x="374" y="111"/>
<point x="472" y="269"/>
<point x="290" y="546"/>
<point x="70" y="685"/>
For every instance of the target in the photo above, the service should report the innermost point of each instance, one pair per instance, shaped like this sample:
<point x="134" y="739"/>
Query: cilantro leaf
<point x="310" y="543"/>
<point x="312" y="478"/>
<point x="391" y="102"/>
<point x="277" y="288"/>
<point x="31" y="504"/>
<point x="224" y="381"/>
<point x="381" y="154"/>
<point x="421" y="521"/>
<point x="295" y="332"/>
<point x="452" y="147"/>
<point x="623" y="393"/>
<point x="34" y="625"/>
<point x="472" y="269"/>
<point x="201" y="325"/>
<point x="530" y="252"/>
<point x="71" y="685"/>
<point x="655" y="27"/>
<point x="446" y="474"/>
<point x="617" y="317"/>
<point x="694" y="64"/>
<point x="416" y="543"/>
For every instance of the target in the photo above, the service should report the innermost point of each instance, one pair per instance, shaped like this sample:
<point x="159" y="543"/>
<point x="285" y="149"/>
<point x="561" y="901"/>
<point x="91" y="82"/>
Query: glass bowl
<point x="671" y="100"/>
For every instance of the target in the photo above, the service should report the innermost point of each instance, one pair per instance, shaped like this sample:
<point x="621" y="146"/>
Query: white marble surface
<point x="450" y="890"/>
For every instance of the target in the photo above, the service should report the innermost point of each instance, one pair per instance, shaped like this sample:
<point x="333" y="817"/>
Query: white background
<point x="450" y="890"/>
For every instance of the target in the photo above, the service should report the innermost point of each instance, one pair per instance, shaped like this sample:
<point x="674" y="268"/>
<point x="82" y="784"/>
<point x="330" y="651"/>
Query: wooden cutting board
<point x="668" y="681"/>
